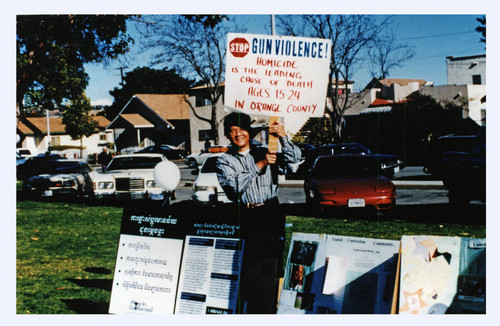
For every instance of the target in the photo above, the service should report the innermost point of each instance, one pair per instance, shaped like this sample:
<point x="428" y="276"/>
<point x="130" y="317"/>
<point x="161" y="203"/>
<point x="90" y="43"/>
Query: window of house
<point x="203" y="100"/>
<point x="205" y="134"/>
<point x="103" y="137"/>
<point x="476" y="79"/>
<point x="55" y="141"/>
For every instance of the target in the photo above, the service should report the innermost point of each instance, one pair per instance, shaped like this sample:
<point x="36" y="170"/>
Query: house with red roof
<point x="38" y="134"/>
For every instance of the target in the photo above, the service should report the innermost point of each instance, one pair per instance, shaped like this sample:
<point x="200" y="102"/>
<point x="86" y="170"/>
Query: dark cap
<point x="241" y="120"/>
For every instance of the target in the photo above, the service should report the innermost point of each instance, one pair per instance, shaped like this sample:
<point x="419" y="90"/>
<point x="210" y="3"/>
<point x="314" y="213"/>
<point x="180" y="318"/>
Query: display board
<point x="442" y="275"/>
<point x="328" y="274"/>
<point x="210" y="276"/>
<point x="277" y="75"/>
<point x="168" y="265"/>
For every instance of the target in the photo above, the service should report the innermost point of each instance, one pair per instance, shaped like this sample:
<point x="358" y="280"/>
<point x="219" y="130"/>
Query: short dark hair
<point x="238" y="119"/>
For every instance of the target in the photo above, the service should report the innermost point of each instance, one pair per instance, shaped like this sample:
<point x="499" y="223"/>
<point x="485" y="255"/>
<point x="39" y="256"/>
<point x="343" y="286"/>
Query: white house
<point x="37" y="134"/>
<point x="470" y="70"/>
<point x="466" y="86"/>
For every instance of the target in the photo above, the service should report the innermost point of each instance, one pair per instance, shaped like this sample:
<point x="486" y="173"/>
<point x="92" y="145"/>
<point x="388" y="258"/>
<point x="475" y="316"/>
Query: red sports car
<point x="348" y="181"/>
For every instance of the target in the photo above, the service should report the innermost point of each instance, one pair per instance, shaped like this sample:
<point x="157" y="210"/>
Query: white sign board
<point x="146" y="273"/>
<point x="277" y="75"/>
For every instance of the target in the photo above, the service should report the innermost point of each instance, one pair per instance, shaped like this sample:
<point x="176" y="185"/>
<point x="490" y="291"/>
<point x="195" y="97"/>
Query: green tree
<point x="195" y="47"/>
<point x="52" y="49"/>
<point x="482" y="28"/>
<point x="415" y="122"/>
<point x="144" y="80"/>
<point x="77" y="120"/>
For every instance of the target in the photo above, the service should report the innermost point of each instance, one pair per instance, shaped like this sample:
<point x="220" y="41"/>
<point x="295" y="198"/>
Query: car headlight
<point x="383" y="165"/>
<point x="105" y="185"/>
<point x="151" y="184"/>
<point x="204" y="188"/>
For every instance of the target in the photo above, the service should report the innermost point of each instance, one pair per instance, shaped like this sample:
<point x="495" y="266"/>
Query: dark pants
<point x="263" y="229"/>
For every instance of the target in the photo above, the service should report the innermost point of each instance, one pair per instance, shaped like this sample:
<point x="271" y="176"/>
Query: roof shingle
<point x="167" y="106"/>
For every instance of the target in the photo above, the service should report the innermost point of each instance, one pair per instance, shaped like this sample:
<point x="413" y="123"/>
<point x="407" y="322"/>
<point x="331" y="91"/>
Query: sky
<point x="432" y="37"/>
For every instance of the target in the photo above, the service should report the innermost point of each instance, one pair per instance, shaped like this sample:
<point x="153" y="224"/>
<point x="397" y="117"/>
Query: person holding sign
<point x="248" y="173"/>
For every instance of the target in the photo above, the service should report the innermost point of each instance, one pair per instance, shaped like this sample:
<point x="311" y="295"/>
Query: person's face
<point x="239" y="137"/>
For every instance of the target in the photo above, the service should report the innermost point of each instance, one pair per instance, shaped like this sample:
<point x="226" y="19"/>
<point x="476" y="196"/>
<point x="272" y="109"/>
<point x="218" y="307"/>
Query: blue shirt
<point x="240" y="176"/>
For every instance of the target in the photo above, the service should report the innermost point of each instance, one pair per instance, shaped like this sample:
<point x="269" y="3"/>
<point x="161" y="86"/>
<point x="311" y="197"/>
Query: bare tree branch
<point x="196" y="48"/>
<point x="352" y="36"/>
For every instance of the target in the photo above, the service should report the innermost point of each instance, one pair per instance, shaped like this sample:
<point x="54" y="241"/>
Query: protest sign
<point x="277" y="75"/>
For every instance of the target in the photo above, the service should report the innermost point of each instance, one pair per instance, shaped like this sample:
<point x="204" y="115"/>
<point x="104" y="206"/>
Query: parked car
<point x="292" y="169"/>
<point x="19" y="159"/>
<point x="433" y="160"/>
<point x="35" y="165"/>
<point x="130" y="177"/>
<point x="24" y="152"/>
<point x="207" y="190"/>
<point x="389" y="164"/>
<point x="337" y="181"/>
<point x="170" y="152"/>
<point x="60" y="177"/>
<point x="464" y="175"/>
<point x="197" y="159"/>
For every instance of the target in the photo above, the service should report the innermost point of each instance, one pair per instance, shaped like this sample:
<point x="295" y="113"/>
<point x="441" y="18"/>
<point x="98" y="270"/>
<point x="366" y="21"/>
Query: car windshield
<point x="137" y="162"/>
<point x="337" y="167"/>
<point x="209" y="165"/>
<point x="59" y="167"/>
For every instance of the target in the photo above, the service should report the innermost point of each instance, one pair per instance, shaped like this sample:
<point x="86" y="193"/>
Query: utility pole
<point x="121" y="74"/>
<point x="48" y="129"/>
<point x="273" y="25"/>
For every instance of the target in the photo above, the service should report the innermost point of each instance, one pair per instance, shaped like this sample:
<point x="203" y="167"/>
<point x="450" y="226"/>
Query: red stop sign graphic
<point x="239" y="47"/>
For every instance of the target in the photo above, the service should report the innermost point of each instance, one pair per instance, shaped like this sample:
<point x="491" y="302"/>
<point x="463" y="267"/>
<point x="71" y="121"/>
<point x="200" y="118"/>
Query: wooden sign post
<point x="272" y="145"/>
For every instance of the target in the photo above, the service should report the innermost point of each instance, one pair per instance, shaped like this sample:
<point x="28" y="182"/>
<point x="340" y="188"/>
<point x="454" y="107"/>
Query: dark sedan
<point x="389" y="164"/>
<point x="348" y="181"/>
<point x="168" y="151"/>
<point x="60" y="178"/>
<point x="35" y="165"/>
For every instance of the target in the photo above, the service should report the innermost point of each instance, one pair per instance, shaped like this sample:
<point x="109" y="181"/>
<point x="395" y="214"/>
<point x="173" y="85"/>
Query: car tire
<point x="192" y="163"/>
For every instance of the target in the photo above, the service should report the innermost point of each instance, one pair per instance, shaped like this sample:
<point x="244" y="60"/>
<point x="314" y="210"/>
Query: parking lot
<point x="414" y="187"/>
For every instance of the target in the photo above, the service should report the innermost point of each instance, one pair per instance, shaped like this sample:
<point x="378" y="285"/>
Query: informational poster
<point x="209" y="276"/>
<point x="146" y="275"/>
<point x="277" y="75"/>
<point x="442" y="275"/>
<point x="147" y="266"/>
<point x="168" y="265"/>
<point x="328" y="274"/>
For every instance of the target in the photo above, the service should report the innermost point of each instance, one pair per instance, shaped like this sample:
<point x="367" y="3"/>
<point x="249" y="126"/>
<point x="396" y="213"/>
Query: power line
<point x="434" y="36"/>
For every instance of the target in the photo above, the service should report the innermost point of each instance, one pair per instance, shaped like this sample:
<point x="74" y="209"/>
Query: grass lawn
<point x="66" y="251"/>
